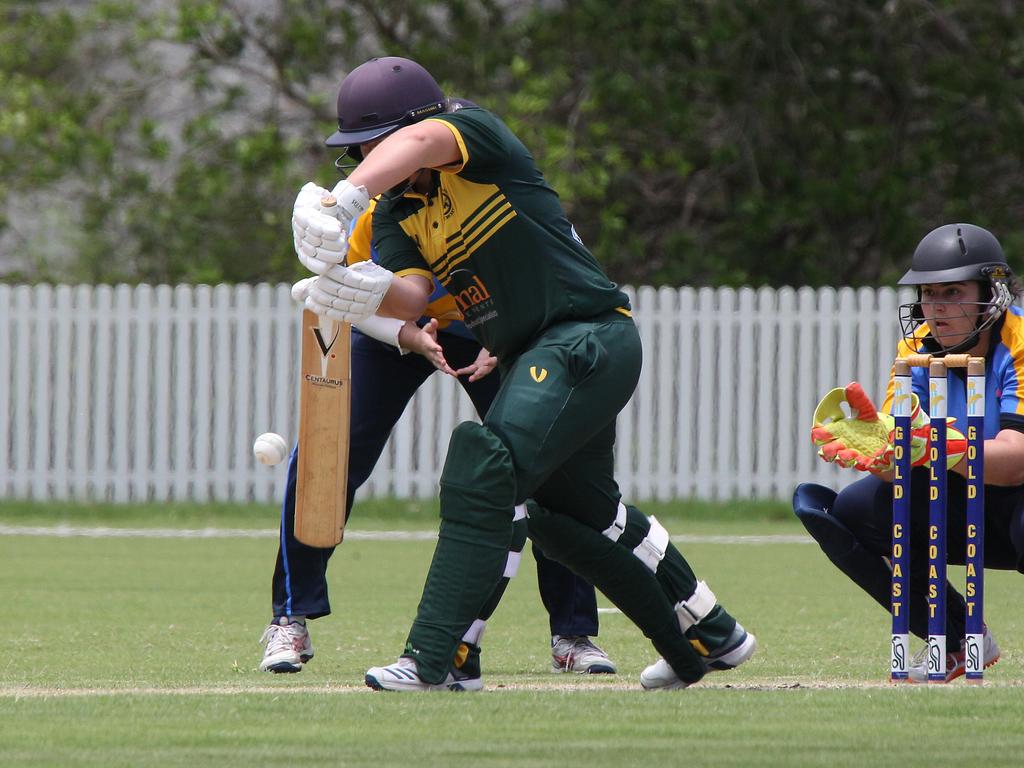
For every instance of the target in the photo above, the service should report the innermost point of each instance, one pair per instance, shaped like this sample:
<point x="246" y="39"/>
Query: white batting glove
<point x="310" y="196"/>
<point x="320" y="232"/>
<point x="352" y="203"/>
<point x="300" y="290"/>
<point x="320" y="242"/>
<point x="350" y="294"/>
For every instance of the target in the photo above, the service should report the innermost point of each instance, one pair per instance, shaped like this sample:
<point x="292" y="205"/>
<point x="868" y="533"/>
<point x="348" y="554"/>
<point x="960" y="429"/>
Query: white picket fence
<point x="156" y="393"/>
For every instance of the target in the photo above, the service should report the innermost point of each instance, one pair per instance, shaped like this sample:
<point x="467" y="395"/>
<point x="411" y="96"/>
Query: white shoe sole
<point x="284" y="663"/>
<point x="660" y="677"/>
<point x="402" y="680"/>
<point x="595" y="668"/>
<point x="736" y="656"/>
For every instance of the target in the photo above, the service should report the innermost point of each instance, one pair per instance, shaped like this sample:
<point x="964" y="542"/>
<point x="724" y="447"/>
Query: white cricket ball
<point x="270" y="448"/>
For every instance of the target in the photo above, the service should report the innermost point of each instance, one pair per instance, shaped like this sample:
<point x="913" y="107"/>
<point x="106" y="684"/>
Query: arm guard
<point x="384" y="329"/>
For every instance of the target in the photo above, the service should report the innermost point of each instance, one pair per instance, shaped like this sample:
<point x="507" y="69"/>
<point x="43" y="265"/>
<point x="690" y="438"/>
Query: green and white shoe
<point x="739" y="647"/>
<point x="403" y="676"/>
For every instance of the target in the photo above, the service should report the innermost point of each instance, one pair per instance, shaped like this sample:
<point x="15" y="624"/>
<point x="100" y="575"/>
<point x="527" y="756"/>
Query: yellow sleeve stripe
<point x="414" y="271"/>
<point x="454" y="167"/>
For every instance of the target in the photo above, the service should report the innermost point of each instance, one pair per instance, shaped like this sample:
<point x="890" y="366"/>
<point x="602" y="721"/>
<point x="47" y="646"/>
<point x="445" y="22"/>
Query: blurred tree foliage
<point x="704" y="142"/>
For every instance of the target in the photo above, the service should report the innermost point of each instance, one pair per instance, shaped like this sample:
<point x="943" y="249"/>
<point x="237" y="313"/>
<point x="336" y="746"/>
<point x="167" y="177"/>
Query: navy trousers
<point x="383" y="383"/>
<point x="865" y="509"/>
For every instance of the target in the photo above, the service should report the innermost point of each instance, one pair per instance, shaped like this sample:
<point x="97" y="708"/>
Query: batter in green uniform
<point x="463" y="200"/>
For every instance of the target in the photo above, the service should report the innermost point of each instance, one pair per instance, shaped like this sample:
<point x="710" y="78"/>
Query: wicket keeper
<point x="964" y="305"/>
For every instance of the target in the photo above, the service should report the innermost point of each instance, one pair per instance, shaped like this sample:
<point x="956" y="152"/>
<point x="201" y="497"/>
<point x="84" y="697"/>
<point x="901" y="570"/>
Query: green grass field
<point x="142" y="651"/>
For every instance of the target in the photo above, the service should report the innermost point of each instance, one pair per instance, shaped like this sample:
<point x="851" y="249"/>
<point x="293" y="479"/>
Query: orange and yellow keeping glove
<point x="863" y="439"/>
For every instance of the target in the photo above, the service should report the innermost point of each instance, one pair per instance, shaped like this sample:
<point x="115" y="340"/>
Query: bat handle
<point x="327" y="203"/>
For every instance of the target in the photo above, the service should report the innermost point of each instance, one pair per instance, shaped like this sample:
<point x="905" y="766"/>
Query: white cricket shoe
<point x="956" y="663"/>
<point x="576" y="653"/>
<point x="403" y="676"/>
<point x="288" y="648"/>
<point x="740" y="646"/>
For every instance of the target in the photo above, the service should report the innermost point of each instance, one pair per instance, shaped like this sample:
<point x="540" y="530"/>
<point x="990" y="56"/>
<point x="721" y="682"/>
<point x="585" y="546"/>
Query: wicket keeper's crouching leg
<point x="854" y="529"/>
<point x="549" y="436"/>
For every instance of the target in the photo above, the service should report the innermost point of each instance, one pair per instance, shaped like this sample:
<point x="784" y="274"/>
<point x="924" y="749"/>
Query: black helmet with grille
<point x="959" y="253"/>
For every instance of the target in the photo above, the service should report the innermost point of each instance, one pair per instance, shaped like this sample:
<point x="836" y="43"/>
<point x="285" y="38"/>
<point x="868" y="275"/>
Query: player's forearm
<point x="399" y="156"/>
<point x="1004" y="460"/>
<point x="406" y="298"/>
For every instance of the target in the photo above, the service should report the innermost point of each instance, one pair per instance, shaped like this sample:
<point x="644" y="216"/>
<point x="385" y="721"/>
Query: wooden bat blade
<point x="324" y="410"/>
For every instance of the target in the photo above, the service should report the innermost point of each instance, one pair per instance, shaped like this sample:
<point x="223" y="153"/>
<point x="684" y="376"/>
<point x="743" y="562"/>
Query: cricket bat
<point x="324" y="413"/>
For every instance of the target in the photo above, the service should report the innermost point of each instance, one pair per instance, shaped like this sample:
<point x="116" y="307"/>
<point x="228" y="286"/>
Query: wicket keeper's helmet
<point x="381" y="96"/>
<point x="955" y="253"/>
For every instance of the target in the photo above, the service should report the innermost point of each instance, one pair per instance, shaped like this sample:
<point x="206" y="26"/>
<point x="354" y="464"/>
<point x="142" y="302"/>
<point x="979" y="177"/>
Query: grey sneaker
<point x="287" y="648"/>
<point x="576" y="653"/>
<point x="740" y="646"/>
<point x="956" y="663"/>
<point x="403" y="676"/>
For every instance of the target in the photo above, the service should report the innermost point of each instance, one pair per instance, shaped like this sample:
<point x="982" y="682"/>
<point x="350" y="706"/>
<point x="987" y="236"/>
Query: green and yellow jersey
<point x="440" y="306"/>
<point x="494" y="234"/>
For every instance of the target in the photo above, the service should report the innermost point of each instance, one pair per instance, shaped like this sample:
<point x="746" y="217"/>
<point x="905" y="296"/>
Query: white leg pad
<point x="475" y="632"/>
<point x="512" y="564"/>
<point x="651" y="550"/>
<point x="696" y="607"/>
<point x="520" y="513"/>
<point x="614" y="531"/>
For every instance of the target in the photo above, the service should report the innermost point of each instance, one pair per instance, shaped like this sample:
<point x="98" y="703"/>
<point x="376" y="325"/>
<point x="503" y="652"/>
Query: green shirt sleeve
<point x="486" y="143"/>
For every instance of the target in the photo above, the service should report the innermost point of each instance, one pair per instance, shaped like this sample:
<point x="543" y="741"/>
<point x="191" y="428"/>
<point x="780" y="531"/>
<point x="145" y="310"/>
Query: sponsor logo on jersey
<point x="470" y="294"/>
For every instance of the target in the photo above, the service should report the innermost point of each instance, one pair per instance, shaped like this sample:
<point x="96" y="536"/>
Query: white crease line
<point x="107" y="532"/>
<point x="775" y="538"/>
<point x="496" y="687"/>
<point x="30" y="692"/>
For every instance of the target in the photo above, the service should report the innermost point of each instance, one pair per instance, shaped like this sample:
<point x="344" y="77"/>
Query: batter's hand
<point x="423" y="341"/>
<point x="321" y="222"/>
<point x="485" y="363"/>
<point x="319" y="238"/>
<point x="350" y="294"/>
